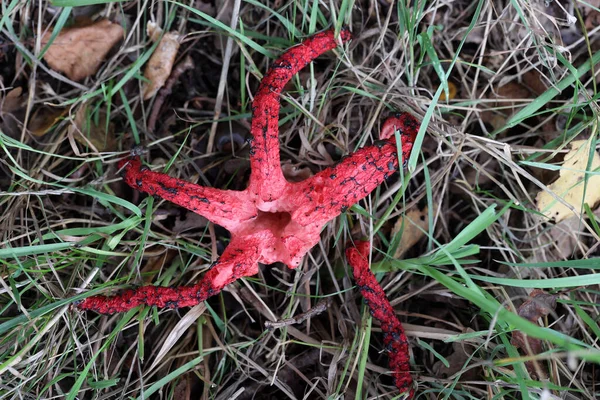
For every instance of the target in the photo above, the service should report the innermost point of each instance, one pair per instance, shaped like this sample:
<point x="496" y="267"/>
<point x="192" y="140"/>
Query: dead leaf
<point x="93" y="130"/>
<point x="532" y="79"/>
<point x="592" y="17"/>
<point x="191" y="221"/>
<point x="183" y="388"/>
<point x="78" y="51"/>
<point x="413" y="226"/>
<point x="456" y="362"/>
<point x="538" y="305"/>
<point x="503" y="107"/>
<point x="566" y="237"/>
<point x="570" y="184"/>
<point x="295" y="173"/>
<point x="161" y="62"/>
<point x="13" y="101"/>
<point x="155" y="264"/>
<point x="451" y="92"/>
<point x="12" y="112"/>
<point x="44" y="118"/>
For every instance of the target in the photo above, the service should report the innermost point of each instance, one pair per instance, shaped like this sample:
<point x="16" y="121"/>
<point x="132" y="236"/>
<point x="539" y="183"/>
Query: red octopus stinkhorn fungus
<point x="274" y="220"/>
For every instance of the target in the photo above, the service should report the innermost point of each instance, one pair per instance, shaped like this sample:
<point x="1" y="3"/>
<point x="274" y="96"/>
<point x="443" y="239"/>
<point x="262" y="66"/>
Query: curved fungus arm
<point x="394" y="337"/>
<point x="266" y="180"/>
<point x="332" y="191"/>
<point x="239" y="259"/>
<point x="226" y="208"/>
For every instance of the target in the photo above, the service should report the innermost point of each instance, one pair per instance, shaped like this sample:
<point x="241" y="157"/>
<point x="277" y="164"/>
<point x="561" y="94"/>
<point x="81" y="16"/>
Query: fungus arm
<point x="333" y="190"/>
<point x="394" y="337"/>
<point x="238" y="260"/>
<point x="266" y="179"/>
<point x="226" y="208"/>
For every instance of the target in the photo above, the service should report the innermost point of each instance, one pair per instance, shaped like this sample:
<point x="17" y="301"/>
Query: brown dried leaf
<point x="12" y="112"/>
<point x="538" y="305"/>
<point x="43" y="119"/>
<point x="79" y="51"/>
<point x="415" y="223"/>
<point x="12" y="102"/>
<point x="161" y="62"/>
<point x="509" y="91"/>
<point x="192" y="221"/>
<point x="592" y="17"/>
<point x="456" y="362"/>
<point x="183" y="389"/>
<point x="155" y="263"/>
<point x="533" y="80"/>
<point x="294" y="173"/>
<point x="85" y="131"/>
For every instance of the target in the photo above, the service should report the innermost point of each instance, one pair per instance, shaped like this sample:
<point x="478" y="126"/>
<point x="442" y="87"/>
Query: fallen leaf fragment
<point x="295" y="173"/>
<point x="78" y="51"/>
<point x="452" y="90"/>
<point x="192" y="221"/>
<point x="43" y="119"/>
<point x="570" y="184"/>
<point x="12" y="112"/>
<point x="538" y="305"/>
<point x="161" y="62"/>
<point x="566" y="236"/>
<point x="413" y="226"/>
<point x="592" y="16"/>
<point x="503" y="108"/>
<point x="155" y="263"/>
<point x="457" y="360"/>
<point x="13" y="101"/>
<point x="93" y="130"/>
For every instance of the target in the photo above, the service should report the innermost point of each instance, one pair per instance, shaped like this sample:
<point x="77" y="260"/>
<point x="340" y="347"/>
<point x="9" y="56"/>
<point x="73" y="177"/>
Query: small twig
<point x="300" y="318"/>
<point x="184" y="65"/>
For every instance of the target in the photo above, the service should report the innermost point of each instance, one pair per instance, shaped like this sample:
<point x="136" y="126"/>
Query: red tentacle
<point x="227" y="208"/>
<point x="330" y="192"/>
<point x="238" y="260"/>
<point x="266" y="179"/>
<point x="394" y="337"/>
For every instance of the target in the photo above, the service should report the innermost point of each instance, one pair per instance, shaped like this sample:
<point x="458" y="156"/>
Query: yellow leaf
<point x="451" y="92"/>
<point x="570" y="184"/>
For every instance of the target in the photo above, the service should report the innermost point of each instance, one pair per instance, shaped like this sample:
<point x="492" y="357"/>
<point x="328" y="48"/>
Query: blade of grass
<point x="546" y="283"/>
<point x="79" y="3"/>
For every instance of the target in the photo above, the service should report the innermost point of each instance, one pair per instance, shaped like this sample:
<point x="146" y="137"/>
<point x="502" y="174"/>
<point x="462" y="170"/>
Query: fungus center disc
<point x="276" y="222"/>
